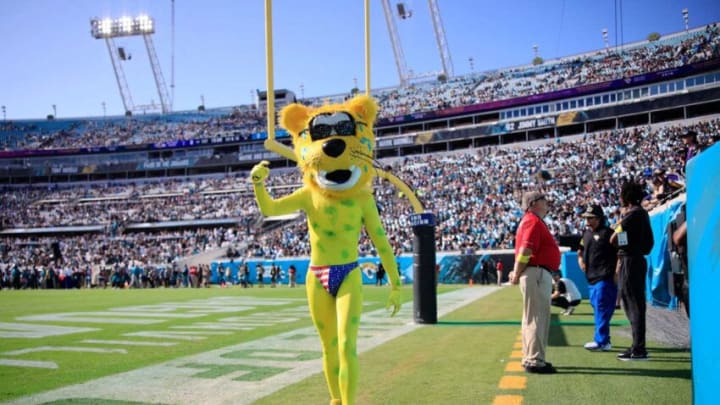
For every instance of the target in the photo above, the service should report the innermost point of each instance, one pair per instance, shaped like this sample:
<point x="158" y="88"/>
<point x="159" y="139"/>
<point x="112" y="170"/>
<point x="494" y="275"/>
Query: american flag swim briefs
<point x="331" y="277"/>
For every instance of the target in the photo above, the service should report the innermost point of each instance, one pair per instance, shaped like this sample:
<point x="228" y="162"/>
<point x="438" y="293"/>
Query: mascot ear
<point x="294" y="118"/>
<point x="364" y="107"/>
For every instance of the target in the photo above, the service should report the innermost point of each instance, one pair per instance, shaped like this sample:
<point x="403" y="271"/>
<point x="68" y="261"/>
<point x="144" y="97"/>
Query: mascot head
<point x="334" y="144"/>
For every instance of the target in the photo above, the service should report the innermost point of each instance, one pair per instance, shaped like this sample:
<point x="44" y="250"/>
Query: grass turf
<point x="462" y="359"/>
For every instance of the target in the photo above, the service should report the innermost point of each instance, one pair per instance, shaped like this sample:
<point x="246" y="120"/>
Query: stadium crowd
<point x="474" y="193"/>
<point x="677" y="50"/>
<point x="553" y="75"/>
<point x="243" y="121"/>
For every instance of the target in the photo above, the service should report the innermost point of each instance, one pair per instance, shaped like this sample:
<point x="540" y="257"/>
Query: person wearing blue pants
<point x="597" y="257"/>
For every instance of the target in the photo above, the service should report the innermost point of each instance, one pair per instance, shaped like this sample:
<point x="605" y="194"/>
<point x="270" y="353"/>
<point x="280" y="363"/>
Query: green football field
<point x="243" y="346"/>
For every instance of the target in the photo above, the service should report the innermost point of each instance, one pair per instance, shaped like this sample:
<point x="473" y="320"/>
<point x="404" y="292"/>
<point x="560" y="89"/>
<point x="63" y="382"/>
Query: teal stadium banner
<point x="659" y="274"/>
<point x="703" y="223"/>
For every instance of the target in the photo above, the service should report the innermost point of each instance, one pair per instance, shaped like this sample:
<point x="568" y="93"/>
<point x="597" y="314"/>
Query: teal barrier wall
<point x="703" y="222"/>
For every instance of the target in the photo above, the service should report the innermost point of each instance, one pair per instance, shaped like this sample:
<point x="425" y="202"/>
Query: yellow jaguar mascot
<point x="334" y="146"/>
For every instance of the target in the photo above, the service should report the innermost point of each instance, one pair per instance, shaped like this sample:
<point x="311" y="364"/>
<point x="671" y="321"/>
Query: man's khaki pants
<point x="536" y="288"/>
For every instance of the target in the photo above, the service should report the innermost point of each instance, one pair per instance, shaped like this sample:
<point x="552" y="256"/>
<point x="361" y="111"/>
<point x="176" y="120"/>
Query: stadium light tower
<point x="144" y="26"/>
<point x="686" y="18"/>
<point x="405" y="74"/>
<point x="605" y="38"/>
<point x="4" y="112"/>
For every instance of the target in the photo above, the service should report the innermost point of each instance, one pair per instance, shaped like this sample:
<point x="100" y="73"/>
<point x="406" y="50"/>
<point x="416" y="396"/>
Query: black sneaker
<point x="630" y="356"/>
<point x="546" y="369"/>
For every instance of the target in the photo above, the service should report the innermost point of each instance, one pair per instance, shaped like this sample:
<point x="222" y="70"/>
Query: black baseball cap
<point x="593" y="210"/>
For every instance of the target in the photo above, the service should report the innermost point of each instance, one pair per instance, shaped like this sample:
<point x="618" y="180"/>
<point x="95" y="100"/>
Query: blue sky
<point x="50" y="58"/>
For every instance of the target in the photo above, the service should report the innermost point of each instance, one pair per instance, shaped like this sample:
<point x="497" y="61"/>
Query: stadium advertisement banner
<point x="368" y="266"/>
<point x="560" y="94"/>
<point x="473" y="268"/>
<point x="486" y="130"/>
<point x="64" y="170"/>
<point x="159" y="164"/>
<point x="572" y="117"/>
<point x="530" y="124"/>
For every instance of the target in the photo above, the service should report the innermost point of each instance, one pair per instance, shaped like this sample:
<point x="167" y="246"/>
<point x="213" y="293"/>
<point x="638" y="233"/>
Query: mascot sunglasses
<point x="327" y="124"/>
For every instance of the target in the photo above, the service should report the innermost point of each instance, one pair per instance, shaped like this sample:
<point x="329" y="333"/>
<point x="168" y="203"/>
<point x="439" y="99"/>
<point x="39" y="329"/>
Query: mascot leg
<point x="337" y="321"/>
<point x="349" y="308"/>
<point x="324" y="317"/>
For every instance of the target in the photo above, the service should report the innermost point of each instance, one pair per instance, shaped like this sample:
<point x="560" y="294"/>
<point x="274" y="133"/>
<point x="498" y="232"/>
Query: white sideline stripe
<point x="159" y="383"/>
<point x="28" y="363"/>
<point x="63" y="349"/>
<point x="128" y="342"/>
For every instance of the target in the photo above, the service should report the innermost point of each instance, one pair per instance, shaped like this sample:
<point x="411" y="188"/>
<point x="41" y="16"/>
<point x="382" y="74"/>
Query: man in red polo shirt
<point x="537" y="255"/>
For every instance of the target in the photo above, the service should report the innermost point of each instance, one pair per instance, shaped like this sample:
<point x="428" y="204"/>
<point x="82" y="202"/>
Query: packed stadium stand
<point x="103" y="196"/>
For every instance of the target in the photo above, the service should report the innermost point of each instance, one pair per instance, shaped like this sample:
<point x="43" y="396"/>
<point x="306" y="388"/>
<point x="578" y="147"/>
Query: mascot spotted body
<point x="334" y="146"/>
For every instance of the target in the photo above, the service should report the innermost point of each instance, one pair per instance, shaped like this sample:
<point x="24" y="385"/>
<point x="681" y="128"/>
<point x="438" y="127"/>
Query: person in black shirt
<point x="380" y="274"/>
<point x="634" y="239"/>
<point x="597" y="257"/>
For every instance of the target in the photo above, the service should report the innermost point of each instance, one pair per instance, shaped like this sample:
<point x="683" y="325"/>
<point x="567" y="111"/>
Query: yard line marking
<point x="30" y="331"/>
<point x="176" y="335"/>
<point x="28" y="363"/>
<point x="63" y="349"/>
<point x="107" y="317"/>
<point x="508" y="400"/>
<point x="128" y="342"/>
<point x="513" y="382"/>
<point x="216" y="327"/>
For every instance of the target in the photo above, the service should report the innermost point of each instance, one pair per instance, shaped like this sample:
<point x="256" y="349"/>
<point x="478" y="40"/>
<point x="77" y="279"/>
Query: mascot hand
<point x="394" y="301"/>
<point x="260" y="172"/>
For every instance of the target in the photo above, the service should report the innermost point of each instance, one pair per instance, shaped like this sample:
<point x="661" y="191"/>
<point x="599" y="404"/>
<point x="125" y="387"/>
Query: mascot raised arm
<point x="334" y="146"/>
